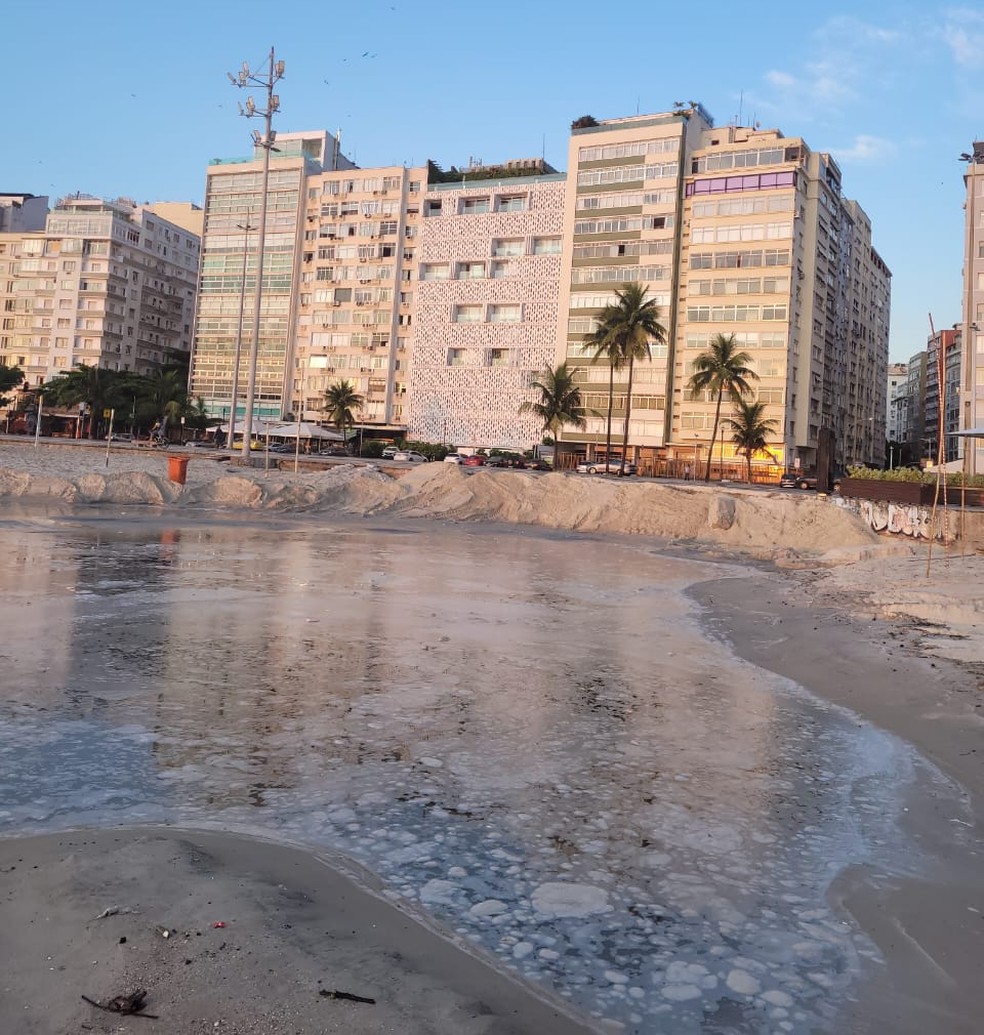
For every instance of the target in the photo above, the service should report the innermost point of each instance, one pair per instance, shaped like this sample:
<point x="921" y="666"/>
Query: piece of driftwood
<point x="131" y="1004"/>
<point x="346" y="995"/>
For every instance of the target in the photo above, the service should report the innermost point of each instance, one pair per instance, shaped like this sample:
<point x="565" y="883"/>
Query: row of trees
<point x="138" y="399"/>
<point x="626" y="333"/>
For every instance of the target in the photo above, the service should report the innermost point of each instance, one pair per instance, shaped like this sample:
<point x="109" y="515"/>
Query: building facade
<point x="943" y="354"/>
<point x="107" y="283"/>
<point x="485" y="309"/>
<point x="897" y="373"/>
<point x="734" y="231"/>
<point x="22" y="213"/>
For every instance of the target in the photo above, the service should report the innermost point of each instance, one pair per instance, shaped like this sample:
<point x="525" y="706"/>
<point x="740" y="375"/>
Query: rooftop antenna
<point x="741" y="105"/>
<point x="638" y="101"/>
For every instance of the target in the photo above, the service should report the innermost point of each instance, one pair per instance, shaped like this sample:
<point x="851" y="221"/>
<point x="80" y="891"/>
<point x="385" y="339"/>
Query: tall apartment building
<point x="735" y="231"/>
<point x="972" y="375"/>
<point x="897" y="373"/>
<point x="355" y="311"/>
<point x="485" y="308"/>
<point x="949" y="341"/>
<point x="338" y="261"/>
<point x="22" y="213"/>
<point x="106" y="283"/>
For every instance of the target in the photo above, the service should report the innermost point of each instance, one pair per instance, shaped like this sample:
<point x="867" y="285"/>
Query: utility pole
<point x="267" y="80"/>
<point x="246" y="228"/>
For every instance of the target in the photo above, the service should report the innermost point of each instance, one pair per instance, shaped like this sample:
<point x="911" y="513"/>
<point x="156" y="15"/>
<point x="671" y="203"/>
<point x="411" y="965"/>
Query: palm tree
<point x="559" y="402"/>
<point x="750" y="430"/>
<point x="632" y="326"/>
<point x="605" y="346"/>
<point x="723" y="368"/>
<point x="341" y="402"/>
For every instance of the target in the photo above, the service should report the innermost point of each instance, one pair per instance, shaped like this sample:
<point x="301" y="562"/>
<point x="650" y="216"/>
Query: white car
<point x="600" y="467"/>
<point x="454" y="458"/>
<point x="410" y="457"/>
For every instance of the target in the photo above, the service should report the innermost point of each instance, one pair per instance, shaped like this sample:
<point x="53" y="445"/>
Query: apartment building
<point x="943" y="355"/>
<point x="358" y="272"/>
<point x="972" y="375"/>
<point x="897" y="373"/>
<point x="22" y="213"/>
<point x="338" y="261"/>
<point x="485" y="307"/>
<point x="106" y="283"/>
<point x="734" y="230"/>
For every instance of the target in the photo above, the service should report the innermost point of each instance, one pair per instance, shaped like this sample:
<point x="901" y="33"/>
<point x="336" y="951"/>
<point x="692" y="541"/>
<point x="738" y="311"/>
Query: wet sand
<point x="895" y="672"/>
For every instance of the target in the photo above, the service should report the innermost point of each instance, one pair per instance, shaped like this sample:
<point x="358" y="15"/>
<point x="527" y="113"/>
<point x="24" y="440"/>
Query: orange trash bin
<point x="177" y="469"/>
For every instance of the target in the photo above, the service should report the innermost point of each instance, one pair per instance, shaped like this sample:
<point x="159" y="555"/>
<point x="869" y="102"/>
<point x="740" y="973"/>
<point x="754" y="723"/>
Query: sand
<point x="850" y="615"/>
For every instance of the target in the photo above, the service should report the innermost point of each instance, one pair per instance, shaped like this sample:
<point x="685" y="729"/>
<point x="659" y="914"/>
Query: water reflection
<point x="526" y="735"/>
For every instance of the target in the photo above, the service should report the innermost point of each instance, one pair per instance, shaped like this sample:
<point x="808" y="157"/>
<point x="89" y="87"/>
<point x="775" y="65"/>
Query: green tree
<point x="95" y="387"/>
<point x="632" y="327"/>
<point x="750" y="430"/>
<point x="559" y="402"/>
<point x="722" y="368"/>
<point x="10" y="377"/>
<point x="341" y="403"/>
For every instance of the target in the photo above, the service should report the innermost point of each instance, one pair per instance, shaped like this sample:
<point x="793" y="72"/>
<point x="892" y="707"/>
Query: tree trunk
<point x="717" y="418"/>
<point x="748" y="464"/>
<point x="611" y="401"/>
<point x="628" y="407"/>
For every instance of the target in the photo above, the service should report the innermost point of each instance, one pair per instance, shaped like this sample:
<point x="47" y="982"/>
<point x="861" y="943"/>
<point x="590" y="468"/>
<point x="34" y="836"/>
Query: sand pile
<point x="791" y="528"/>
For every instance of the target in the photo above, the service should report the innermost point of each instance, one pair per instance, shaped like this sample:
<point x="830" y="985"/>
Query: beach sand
<point x="256" y="935"/>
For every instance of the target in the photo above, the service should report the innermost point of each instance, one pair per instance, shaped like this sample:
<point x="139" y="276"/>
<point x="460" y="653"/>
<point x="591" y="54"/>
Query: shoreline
<point x="928" y="928"/>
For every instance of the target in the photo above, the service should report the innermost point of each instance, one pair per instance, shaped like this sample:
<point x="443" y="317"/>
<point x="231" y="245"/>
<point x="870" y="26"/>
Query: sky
<point x="127" y="99"/>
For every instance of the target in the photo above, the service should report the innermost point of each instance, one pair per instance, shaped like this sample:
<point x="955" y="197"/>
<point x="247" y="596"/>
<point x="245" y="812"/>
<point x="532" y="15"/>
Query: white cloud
<point x="963" y="33"/>
<point x="865" y="149"/>
<point x="845" y="56"/>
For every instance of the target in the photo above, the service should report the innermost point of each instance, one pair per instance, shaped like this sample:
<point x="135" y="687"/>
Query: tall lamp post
<point x="267" y="79"/>
<point x="246" y="228"/>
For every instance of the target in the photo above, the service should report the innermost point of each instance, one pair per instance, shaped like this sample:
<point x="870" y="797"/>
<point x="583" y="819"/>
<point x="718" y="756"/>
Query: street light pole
<point x="246" y="228"/>
<point x="273" y="74"/>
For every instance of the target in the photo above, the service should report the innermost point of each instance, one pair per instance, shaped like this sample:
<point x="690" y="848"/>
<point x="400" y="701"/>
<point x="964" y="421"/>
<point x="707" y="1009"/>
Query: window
<point x="505" y="313"/>
<point x="507" y="247"/>
<point x="473" y="206"/>
<point x="498" y="270"/>
<point x="471" y="270"/>
<point x="432" y="207"/>
<point x="511" y="203"/>
<point x="498" y="357"/>
<point x="456" y="357"/>
<point x="468" y="314"/>
<point x="435" y="271"/>
<point x="545" y="246"/>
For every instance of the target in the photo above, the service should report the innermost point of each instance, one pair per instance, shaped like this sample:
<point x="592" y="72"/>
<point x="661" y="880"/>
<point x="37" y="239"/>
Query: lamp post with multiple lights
<point x="246" y="229"/>
<point x="267" y="80"/>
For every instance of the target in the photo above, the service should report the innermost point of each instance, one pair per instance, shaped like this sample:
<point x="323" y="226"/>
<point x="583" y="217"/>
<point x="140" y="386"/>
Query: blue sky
<point x="130" y="99"/>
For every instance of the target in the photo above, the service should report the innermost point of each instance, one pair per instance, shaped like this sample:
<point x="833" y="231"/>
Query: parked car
<point x="602" y="467"/>
<point x="497" y="461"/>
<point x="788" y="480"/>
<point x="454" y="458"/>
<point x="389" y="452"/>
<point x="409" y="456"/>
<point x="122" y="436"/>
<point x="474" y="460"/>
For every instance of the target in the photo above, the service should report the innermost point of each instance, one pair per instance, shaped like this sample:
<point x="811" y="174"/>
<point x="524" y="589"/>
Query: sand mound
<point x="794" y="528"/>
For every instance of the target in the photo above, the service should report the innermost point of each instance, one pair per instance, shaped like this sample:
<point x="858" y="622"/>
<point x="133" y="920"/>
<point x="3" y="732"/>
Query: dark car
<point x="788" y="479"/>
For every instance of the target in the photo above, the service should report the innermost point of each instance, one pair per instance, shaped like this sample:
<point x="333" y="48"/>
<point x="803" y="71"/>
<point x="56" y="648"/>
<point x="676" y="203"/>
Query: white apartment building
<point x="485" y="308"/>
<point x="22" y="213"/>
<point x="107" y="283"/>
<point x="897" y="375"/>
